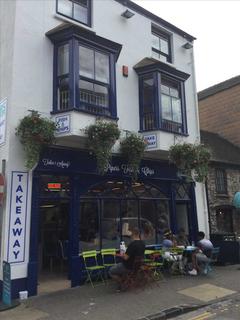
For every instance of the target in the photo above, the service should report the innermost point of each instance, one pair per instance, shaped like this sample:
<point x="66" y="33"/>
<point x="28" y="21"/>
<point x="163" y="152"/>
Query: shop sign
<point x="151" y="140"/>
<point x="125" y="169"/>
<point x="62" y="124"/>
<point x="6" y="293"/>
<point x="56" y="163"/>
<point x="18" y="215"/>
<point x="3" y="120"/>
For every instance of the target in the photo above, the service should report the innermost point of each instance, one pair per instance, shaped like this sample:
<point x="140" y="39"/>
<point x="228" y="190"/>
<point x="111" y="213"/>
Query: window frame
<point x="158" y="117"/>
<point x="89" y="13"/>
<point x="165" y="36"/>
<point x="75" y="36"/>
<point x="221" y="182"/>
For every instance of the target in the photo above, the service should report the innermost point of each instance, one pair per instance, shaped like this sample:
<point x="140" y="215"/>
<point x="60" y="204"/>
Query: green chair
<point x="108" y="259"/>
<point x="93" y="269"/>
<point x="153" y="260"/>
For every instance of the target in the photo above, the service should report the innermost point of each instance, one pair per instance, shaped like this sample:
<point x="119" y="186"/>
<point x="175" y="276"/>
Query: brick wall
<point x="233" y="183"/>
<point x="220" y="113"/>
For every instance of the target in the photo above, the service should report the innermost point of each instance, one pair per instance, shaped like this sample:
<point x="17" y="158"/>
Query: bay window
<point x="162" y="98"/>
<point x="84" y="72"/>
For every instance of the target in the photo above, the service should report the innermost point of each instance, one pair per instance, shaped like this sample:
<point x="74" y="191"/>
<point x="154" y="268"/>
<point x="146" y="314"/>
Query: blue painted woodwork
<point x="81" y="169"/>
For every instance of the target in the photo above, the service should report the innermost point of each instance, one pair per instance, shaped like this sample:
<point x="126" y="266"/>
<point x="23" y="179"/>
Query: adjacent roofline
<point x="227" y="84"/>
<point x="155" y="18"/>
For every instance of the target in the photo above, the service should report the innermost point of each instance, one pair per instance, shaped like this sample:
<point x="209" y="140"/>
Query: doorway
<point x="53" y="244"/>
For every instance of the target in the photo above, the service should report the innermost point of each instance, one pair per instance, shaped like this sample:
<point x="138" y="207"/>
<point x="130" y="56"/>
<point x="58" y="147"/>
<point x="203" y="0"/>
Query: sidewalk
<point x="102" y="303"/>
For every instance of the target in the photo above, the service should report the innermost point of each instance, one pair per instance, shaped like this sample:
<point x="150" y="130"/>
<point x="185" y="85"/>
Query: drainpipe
<point x="208" y="209"/>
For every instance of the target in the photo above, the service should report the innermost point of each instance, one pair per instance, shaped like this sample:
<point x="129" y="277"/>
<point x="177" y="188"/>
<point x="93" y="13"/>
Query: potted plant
<point x="132" y="148"/>
<point x="101" y="138"/>
<point x="35" y="133"/>
<point x="191" y="159"/>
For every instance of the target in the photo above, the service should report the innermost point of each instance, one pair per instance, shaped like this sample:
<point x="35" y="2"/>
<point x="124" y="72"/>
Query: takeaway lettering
<point x="17" y="229"/>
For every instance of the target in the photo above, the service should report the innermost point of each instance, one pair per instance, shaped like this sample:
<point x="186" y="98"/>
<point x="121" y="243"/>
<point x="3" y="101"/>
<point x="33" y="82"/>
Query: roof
<point x="227" y="84"/>
<point x="222" y="150"/>
<point x="135" y="7"/>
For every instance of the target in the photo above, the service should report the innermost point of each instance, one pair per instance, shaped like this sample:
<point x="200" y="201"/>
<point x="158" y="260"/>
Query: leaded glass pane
<point x="164" y="46"/>
<point x="101" y="67"/>
<point x="155" y="42"/>
<point x="86" y="62"/>
<point x="80" y="13"/>
<point x="176" y="110"/>
<point x="65" y="7"/>
<point x="63" y="60"/>
<point x="166" y="107"/>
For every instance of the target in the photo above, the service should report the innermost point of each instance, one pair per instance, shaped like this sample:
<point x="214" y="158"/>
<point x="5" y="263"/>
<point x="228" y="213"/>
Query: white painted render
<point x="26" y="80"/>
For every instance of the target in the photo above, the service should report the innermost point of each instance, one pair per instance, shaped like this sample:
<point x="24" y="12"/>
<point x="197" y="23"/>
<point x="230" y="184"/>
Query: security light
<point x="127" y="14"/>
<point x="187" y="45"/>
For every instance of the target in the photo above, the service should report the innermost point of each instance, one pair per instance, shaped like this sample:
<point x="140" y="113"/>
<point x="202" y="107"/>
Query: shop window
<point x="161" y="45"/>
<point x="120" y="208"/>
<point x="221" y="181"/>
<point x="89" y="232"/>
<point x="79" y="10"/>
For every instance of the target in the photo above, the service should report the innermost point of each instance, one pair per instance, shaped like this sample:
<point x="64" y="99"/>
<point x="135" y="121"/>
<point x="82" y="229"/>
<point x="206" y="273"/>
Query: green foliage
<point x="101" y="138"/>
<point x="191" y="159"/>
<point x="132" y="148"/>
<point x="35" y="133"/>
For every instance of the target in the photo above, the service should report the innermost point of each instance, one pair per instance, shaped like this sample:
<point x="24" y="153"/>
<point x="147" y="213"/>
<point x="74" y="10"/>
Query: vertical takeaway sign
<point x="3" y="119"/>
<point x="18" y="215"/>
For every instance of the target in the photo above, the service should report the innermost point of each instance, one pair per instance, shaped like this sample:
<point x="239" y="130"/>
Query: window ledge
<point x="221" y="195"/>
<point x="83" y="111"/>
<point x="160" y="129"/>
<point x="62" y="17"/>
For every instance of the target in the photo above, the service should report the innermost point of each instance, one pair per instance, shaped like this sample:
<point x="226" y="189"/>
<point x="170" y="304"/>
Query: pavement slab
<point x="103" y="303"/>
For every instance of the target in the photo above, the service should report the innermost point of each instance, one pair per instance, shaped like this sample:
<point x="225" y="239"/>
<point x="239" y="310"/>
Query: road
<point x="224" y="310"/>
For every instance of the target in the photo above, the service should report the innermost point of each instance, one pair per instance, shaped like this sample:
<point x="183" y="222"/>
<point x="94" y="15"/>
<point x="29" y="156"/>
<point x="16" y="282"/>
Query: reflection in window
<point x="75" y="9"/>
<point x="110" y="223"/>
<point x="89" y="226"/>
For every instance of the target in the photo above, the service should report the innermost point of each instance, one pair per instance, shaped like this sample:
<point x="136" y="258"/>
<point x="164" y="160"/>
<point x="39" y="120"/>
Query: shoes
<point x="193" y="272"/>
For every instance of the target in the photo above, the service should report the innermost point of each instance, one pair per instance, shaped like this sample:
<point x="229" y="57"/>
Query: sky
<point x="215" y="24"/>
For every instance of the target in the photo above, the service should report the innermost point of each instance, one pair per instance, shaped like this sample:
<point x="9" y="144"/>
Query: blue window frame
<point x="84" y="72"/>
<point x="161" y="45"/>
<point x="78" y="10"/>
<point x="162" y="98"/>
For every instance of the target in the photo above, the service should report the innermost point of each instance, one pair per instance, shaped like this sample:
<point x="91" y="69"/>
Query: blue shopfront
<point x="76" y="209"/>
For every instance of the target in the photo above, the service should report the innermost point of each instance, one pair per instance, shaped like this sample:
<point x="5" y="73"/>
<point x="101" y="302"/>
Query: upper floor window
<point x="161" y="45"/>
<point x="79" y="10"/>
<point x="84" y="72"/>
<point x="221" y="181"/>
<point x="162" y="98"/>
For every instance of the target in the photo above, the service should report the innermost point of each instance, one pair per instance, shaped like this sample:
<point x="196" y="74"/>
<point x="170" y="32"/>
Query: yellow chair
<point x="153" y="261"/>
<point x="92" y="266"/>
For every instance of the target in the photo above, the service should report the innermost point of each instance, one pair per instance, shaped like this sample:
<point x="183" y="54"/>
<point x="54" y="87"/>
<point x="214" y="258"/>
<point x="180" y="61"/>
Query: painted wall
<point x="28" y="73"/>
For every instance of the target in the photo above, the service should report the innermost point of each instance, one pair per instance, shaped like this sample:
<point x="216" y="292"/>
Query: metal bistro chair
<point x="93" y="269"/>
<point x="213" y="259"/>
<point x="108" y="259"/>
<point x="153" y="260"/>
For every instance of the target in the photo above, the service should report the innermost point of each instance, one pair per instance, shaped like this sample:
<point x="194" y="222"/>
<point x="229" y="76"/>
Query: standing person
<point x="202" y="254"/>
<point x="182" y="239"/>
<point x="135" y="250"/>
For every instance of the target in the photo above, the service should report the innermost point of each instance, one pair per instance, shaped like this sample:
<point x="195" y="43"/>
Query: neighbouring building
<point x="219" y="109"/>
<point x="74" y="62"/>
<point x="222" y="184"/>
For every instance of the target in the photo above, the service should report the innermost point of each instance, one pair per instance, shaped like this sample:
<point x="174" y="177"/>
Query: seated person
<point x="181" y="238"/>
<point x="169" y="240"/>
<point x="135" y="250"/>
<point x="202" y="254"/>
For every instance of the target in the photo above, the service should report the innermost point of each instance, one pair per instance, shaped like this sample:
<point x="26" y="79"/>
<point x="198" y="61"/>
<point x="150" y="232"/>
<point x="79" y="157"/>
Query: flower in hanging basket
<point x="191" y="159"/>
<point x="35" y="133"/>
<point x="101" y="138"/>
<point x="132" y="148"/>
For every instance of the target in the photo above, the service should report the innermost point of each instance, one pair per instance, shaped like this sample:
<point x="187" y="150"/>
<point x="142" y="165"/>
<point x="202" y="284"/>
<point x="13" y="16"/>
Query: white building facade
<point x="75" y="61"/>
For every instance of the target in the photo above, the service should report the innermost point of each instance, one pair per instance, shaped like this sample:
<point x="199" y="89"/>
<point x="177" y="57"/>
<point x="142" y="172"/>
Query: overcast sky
<point x="215" y="24"/>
